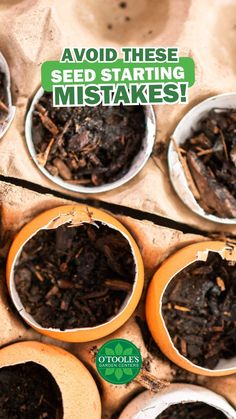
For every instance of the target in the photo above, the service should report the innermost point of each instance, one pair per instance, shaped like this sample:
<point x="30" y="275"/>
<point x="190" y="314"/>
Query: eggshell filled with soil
<point x="212" y="359"/>
<point x="77" y="391"/>
<point x="149" y="406"/>
<point x="95" y="168"/>
<point x="193" y="175"/>
<point x="115" y="294"/>
<point x="7" y="111"/>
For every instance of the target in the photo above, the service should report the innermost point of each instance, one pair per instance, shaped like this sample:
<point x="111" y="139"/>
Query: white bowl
<point x="137" y="164"/>
<point x="148" y="405"/>
<point x="184" y="130"/>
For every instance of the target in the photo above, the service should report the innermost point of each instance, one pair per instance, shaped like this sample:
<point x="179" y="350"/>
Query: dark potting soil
<point x="199" y="309"/>
<point x="195" y="410"/>
<point x="210" y="154"/>
<point x="3" y="98"/>
<point x="73" y="277"/>
<point x="87" y="145"/>
<point x="29" y="391"/>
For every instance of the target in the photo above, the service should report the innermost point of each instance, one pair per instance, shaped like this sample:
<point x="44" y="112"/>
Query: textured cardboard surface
<point x="32" y="31"/>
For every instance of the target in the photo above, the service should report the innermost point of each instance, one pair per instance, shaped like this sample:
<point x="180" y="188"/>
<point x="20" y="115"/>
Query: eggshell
<point x="173" y="265"/>
<point x="79" y="391"/>
<point x="148" y="405"/>
<point x="12" y="110"/>
<point x="183" y="130"/>
<point x="137" y="164"/>
<point x="76" y="214"/>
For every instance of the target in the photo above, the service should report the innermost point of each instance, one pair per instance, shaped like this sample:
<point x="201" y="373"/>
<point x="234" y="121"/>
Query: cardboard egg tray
<point x="32" y="31"/>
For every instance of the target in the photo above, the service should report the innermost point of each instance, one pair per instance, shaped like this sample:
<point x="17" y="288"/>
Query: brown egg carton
<point x="19" y="205"/>
<point x="34" y="31"/>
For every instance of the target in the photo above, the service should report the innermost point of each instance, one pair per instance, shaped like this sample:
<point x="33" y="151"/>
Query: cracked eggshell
<point x="12" y="110"/>
<point x="78" y="388"/>
<point x="76" y="215"/>
<point x="138" y="163"/>
<point x="148" y="405"/>
<point x="184" y="130"/>
<point x="161" y="279"/>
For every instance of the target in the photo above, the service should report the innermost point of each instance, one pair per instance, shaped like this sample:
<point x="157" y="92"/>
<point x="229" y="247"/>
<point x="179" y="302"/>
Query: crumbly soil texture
<point x="29" y="391"/>
<point x="3" y="97"/>
<point x="210" y="155"/>
<point x="88" y="146"/>
<point x="195" y="410"/>
<point x="73" y="277"/>
<point x="199" y="310"/>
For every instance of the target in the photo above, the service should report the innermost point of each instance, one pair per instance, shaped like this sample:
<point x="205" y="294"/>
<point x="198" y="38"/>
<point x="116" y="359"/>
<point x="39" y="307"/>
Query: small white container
<point x="137" y="164"/>
<point x="148" y="405"/>
<point x="12" y="110"/>
<point x="184" y="130"/>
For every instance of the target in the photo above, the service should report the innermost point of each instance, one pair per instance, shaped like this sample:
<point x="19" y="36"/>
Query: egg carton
<point x="32" y="32"/>
<point x="18" y="206"/>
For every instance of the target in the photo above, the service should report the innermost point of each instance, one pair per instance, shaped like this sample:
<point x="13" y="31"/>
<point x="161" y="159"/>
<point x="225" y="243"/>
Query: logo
<point x="118" y="361"/>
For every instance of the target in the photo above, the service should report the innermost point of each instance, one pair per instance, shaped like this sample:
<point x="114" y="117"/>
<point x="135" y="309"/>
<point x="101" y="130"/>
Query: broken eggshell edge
<point x="76" y="215"/>
<point x="183" y="131"/>
<point x="12" y="109"/>
<point x="161" y="279"/>
<point x="148" y="405"/>
<point x="78" y="388"/>
<point x="138" y="162"/>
